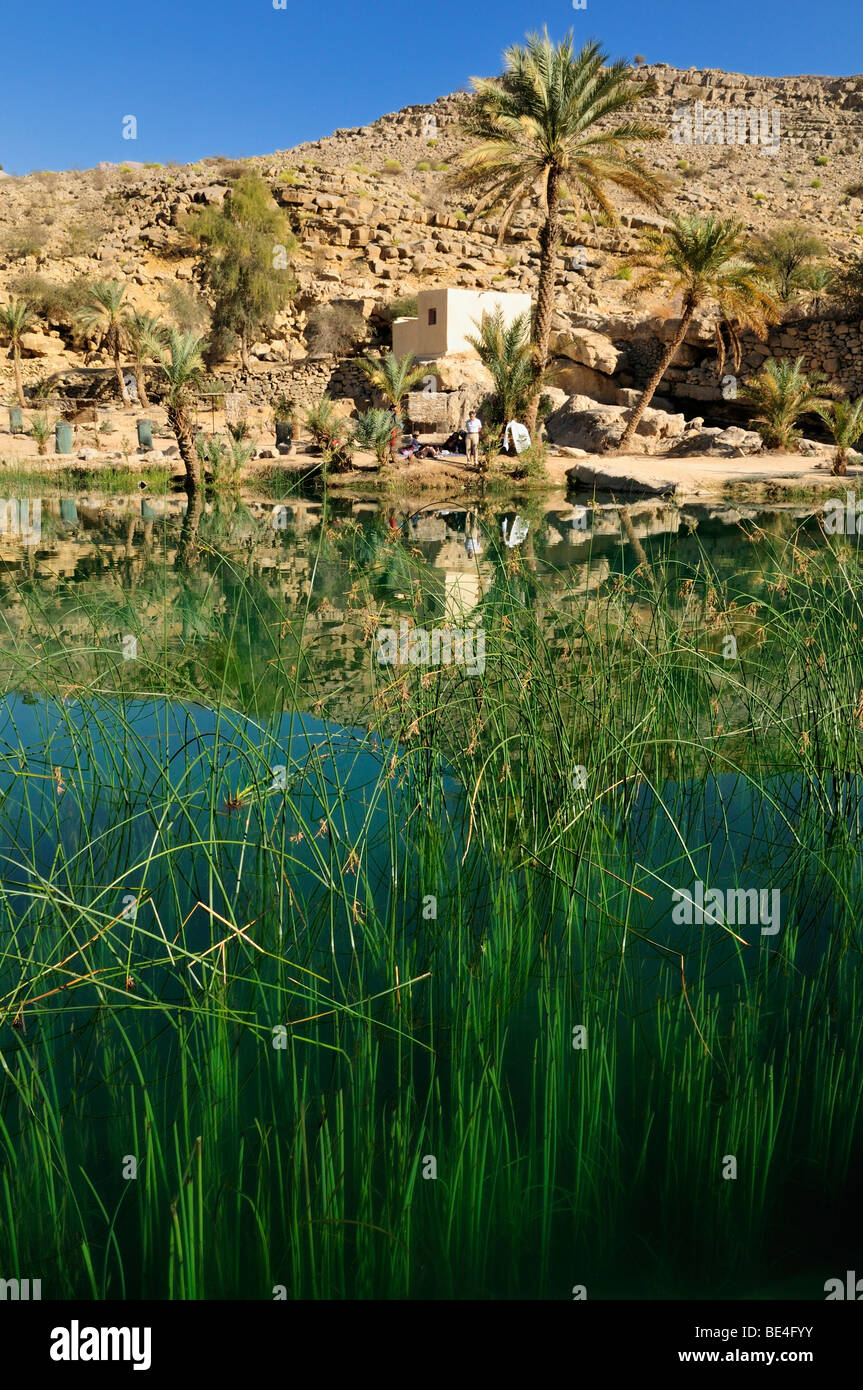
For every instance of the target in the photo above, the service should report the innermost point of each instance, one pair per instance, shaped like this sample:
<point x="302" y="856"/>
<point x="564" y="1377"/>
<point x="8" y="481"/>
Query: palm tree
<point x="781" y="393"/>
<point x="373" y="430"/>
<point x="507" y="354"/>
<point x="184" y="371"/>
<point x="393" y="377"/>
<point x="104" y="313"/>
<point x="40" y="429"/>
<point x="16" y="318"/>
<point x="844" y="419"/>
<point x="818" y="283"/>
<point x="700" y="259"/>
<point x="537" y="130"/>
<point x="145" y="334"/>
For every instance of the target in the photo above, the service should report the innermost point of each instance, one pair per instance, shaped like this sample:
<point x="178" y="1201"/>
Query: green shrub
<point x="406" y="307"/>
<point x="53" y="301"/>
<point x="820" y="161"/>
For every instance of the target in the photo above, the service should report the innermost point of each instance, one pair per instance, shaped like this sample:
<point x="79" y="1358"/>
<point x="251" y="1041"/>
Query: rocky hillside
<point x="376" y="221"/>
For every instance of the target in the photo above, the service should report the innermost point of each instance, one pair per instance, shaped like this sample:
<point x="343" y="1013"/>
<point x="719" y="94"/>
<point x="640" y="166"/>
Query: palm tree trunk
<point x="664" y="363"/>
<point x="179" y="422"/>
<point x="189" y="548"/>
<point x="840" y="463"/>
<point x="549" y="239"/>
<point x="118" y="370"/>
<point x="143" y="398"/>
<point x="16" y="367"/>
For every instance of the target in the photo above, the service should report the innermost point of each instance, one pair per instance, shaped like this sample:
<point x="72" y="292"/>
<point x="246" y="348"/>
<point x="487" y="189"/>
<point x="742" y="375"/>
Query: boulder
<point x="575" y="379"/>
<point x="462" y="369"/>
<point x="583" y="424"/>
<point x="608" y="477"/>
<point x="736" y="438"/>
<point x="39" y="345"/>
<point x="589" y="349"/>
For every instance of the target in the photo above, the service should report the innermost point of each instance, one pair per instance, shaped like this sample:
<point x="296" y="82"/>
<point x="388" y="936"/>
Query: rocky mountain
<point x="376" y="221"/>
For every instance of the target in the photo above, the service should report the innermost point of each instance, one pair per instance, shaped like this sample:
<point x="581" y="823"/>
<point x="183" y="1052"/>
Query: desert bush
<point x="82" y="238"/>
<point x="47" y="178"/>
<point x="25" y="240"/>
<point x="531" y="465"/>
<point x="406" y="307"/>
<point x="334" y="328"/>
<point x="56" y="302"/>
<point x="785" y="256"/>
<point x="848" y="287"/>
<point x="189" y="311"/>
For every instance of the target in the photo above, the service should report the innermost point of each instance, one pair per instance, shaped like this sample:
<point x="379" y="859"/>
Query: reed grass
<point x="300" y="1170"/>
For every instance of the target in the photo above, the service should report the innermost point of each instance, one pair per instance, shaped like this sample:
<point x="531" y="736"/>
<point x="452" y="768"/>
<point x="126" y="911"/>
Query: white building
<point x="447" y="317"/>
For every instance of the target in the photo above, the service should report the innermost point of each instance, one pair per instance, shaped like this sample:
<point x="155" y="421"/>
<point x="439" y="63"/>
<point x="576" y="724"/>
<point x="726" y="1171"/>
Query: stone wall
<point x="306" y="382"/>
<point x="833" y="349"/>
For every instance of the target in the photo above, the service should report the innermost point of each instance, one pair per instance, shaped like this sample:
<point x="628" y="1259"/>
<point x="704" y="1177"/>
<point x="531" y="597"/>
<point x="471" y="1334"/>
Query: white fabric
<point x="517" y="531"/>
<point x="519" y="434"/>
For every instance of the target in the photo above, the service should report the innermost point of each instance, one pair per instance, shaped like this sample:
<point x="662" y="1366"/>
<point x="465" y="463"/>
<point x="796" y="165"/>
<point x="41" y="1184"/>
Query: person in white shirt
<point x="472" y="429"/>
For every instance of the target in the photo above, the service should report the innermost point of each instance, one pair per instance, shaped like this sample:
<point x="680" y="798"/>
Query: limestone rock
<point x="587" y="348"/>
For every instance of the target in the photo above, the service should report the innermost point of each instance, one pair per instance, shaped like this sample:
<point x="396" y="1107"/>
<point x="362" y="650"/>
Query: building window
<point x="432" y="317"/>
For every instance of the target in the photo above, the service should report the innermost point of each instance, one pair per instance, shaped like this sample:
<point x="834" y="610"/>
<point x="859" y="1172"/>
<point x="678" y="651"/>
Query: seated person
<point x="428" y="451"/>
<point x="411" y="447"/>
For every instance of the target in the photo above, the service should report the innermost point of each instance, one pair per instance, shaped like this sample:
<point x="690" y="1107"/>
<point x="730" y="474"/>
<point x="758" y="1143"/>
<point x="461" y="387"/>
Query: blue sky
<point x="239" y="77"/>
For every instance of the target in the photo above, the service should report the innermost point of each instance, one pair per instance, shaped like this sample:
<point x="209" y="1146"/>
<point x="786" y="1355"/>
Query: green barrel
<point x="145" y="434"/>
<point x="147" y="511"/>
<point x="284" y="433"/>
<point x="16" y="420"/>
<point x="69" y="510"/>
<point x="63" y="437"/>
